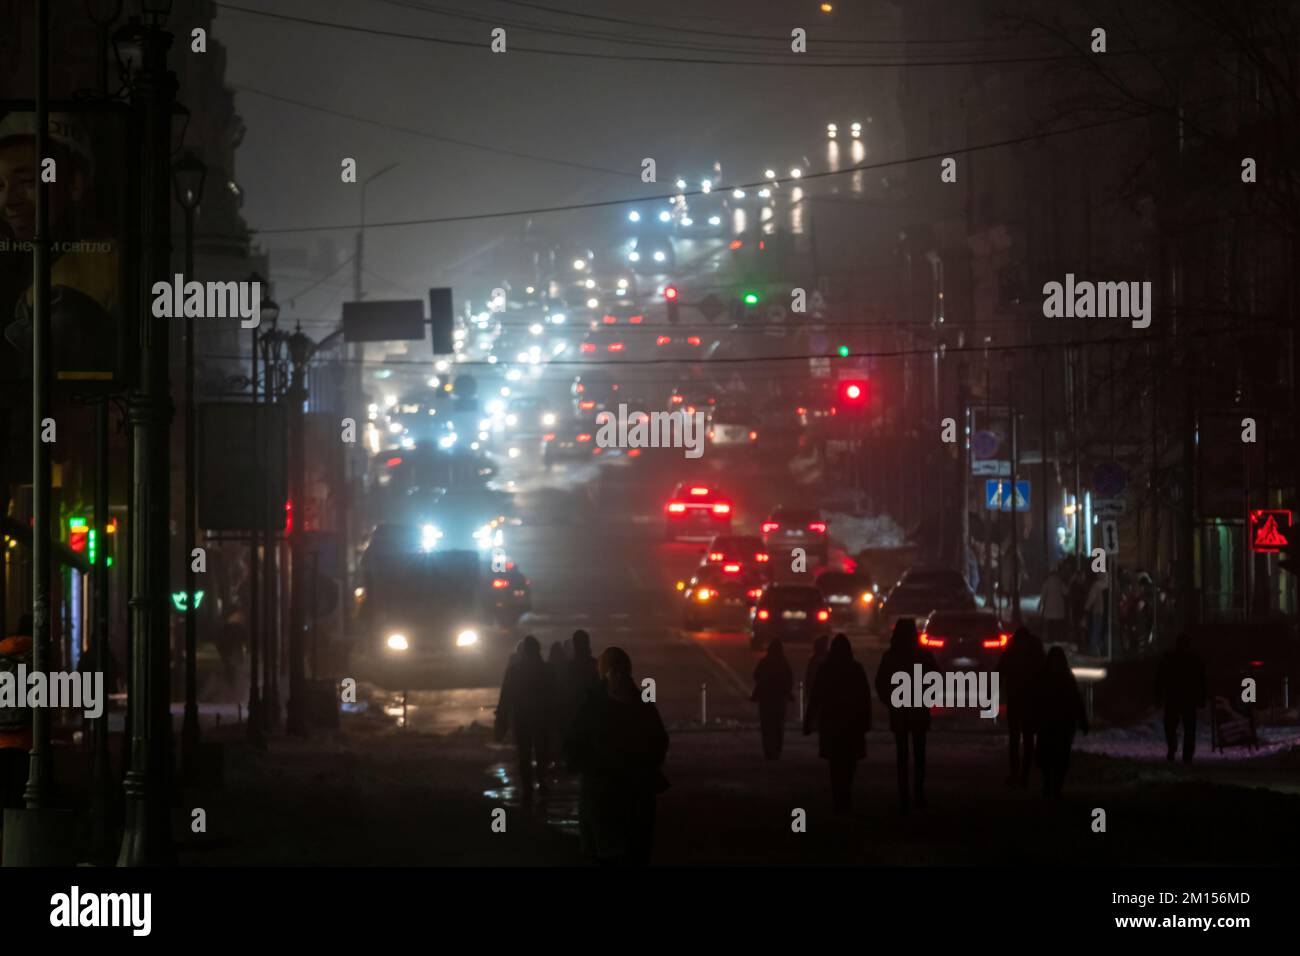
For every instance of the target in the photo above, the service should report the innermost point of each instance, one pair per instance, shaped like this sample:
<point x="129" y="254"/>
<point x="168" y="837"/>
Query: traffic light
<point x="843" y="351"/>
<point x="670" y="296"/>
<point x="853" y="393"/>
<point x="750" y="298"/>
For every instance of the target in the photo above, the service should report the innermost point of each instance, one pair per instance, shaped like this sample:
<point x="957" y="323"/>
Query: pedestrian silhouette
<point x="909" y="724"/>
<point x="819" y="651"/>
<point x="581" y="679"/>
<point x="1059" y="711"/>
<point x="840" y="708"/>
<point x="557" y="669"/>
<point x="1180" y="687"/>
<point x="1052" y="608"/>
<point x="617" y="744"/>
<point x="526" y="704"/>
<point x="773" y="683"/>
<point x="1020" y="669"/>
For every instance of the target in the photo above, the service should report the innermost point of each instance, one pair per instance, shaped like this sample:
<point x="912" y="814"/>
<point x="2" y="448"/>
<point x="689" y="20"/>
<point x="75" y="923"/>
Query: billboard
<point x="90" y="194"/>
<point x="398" y="320"/>
<point x="230" y="485"/>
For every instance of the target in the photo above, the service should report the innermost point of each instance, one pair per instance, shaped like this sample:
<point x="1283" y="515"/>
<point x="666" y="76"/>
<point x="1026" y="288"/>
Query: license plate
<point x="734" y="601"/>
<point x="963" y="662"/>
<point x="836" y="599"/>
<point x="794" y="615"/>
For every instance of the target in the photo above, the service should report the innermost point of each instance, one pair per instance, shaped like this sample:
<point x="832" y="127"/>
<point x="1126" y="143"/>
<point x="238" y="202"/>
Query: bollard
<point x="1286" y="691"/>
<point x="1088" y="698"/>
<point x="704" y="705"/>
<point x="801" y="701"/>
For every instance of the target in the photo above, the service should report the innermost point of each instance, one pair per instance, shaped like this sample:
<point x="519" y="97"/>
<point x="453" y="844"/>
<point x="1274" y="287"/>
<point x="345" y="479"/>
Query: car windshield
<point x="795" y="515"/>
<point x="792" y="597"/>
<point x="963" y="625"/>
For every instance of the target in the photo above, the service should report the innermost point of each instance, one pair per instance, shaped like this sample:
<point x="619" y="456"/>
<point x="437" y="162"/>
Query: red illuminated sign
<point x="1268" y="531"/>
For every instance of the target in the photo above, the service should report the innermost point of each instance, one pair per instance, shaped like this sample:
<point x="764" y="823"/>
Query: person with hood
<point x="815" y="662"/>
<point x="580" y="678"/>
<point x="527" y="705"/>
<point x="1180" y="687"/>
<point x="773" y="683"/>
<point x="1059" y="711"/>
<point x="557" y="669"/>
<point x="1019" y="670"/>
<point x="617" y="744"/>
<point x="906" y="722"/>
<point x="840" y="708"/>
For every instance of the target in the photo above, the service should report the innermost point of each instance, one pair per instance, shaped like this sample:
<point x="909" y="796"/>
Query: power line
<point x="604" y="203"/>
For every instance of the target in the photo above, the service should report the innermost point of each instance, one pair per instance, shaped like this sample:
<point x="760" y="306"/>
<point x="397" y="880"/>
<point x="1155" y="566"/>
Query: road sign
<point x="984" y="444"/>
<point x="399" y="320"/>
<point x="997" y="495"/>
<point x="1267" y="530"/>
<point x="1110" y="506"/>
<point x="1110" y="537"/>
<point x="999" y="469"/>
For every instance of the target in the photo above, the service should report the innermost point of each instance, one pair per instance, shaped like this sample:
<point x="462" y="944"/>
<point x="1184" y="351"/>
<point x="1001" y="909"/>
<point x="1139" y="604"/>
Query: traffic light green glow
<point x="844" y="351"/>
<point x="750" y="298"/>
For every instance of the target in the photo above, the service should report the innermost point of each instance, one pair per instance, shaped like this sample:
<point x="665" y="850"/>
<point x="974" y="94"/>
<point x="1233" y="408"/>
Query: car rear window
<point x="795" y="515"/>
<point x="964" y="625"/>
<point x="792" y="597"/>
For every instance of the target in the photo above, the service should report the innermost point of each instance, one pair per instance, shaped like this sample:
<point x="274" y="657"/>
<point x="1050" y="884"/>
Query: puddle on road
<point x="558" y="807"/>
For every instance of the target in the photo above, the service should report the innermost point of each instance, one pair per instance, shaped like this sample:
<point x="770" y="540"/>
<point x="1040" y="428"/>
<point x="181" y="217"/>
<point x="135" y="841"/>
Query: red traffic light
<point x="853" y="392"/>
<point x="670" y="292"/>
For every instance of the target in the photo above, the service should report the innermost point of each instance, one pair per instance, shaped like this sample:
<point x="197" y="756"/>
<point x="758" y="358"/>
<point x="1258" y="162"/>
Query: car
<point x="416" y="601"/>
<point x="789" y="612"/>
<point x="696" y="509"/>
<point x="923" y="590"/>
<point x="744" y="548"/>
<point x="790" y="527"/>
<point x="965" y="640"/>
<point x="691" y="398"/>
<point x="602" y="342"/>
<point x="593" y="392"/>
<point x="652" y="254"/>
<point x="720" y="594"/>
<point x="569" y="441"/>
<point x="732" y="426"/>
<point x="524" y="416"/>
<point x="851" y="597"/>
<point x="511" y="594"/>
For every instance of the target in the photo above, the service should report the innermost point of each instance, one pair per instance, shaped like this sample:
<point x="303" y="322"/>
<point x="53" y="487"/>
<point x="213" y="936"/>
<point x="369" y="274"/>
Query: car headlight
<point x="429" y="535"/>
<point x="466" y="638"/>
<point x="548" y="419"/>
<point x="397" y="642"/>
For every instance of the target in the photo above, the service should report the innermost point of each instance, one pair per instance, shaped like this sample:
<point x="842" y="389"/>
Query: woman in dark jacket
<point x="840" y="709"/>
<point x="1059" y="710"/>
<point x="904" y="653"/>
<point x="773" y="683"/>
<point x="617" y="744"/>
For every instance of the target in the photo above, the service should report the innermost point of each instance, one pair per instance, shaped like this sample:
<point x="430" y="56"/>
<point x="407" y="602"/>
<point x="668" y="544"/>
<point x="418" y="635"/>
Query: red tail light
<point x="609" y="320"/>
<point x="549" y="436"/>
<point x="587" y="405"/>
<point x="615" y="346"/>
<point x="927" y="641"/>
<point x="633" y="452"/>
<point x="763" y="615"/>
<point x="823" y="615"/>
<point x="753" y="436"/>
<point x="722" y="509"/>
<point x="999" y="641"/>
<point x="818" y="526"/>
<point x="693" y="340"/>
<point x="584" y="437"/>
<point x="716" y="556"/>
<point x="770" y="526"/>
<point x="635" y="320"/>
<point x="755" y="593"/>
<point x="762" y="556"/>
<point x="677" y="400"/>
<point x="676" y="507"/>
<point x="731" y="568"/>
<point x="393" y="462"/>
<point x="588" y="347"/>
<point x="663" y="340"/>
<point x="500" y="583"/>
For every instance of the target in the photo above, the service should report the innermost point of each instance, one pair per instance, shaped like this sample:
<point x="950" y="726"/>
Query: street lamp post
<point x="300" y="352"/>
<point x="147" y="836"/>
<point x="272" y="343"/>
<point x="188" y="176"/>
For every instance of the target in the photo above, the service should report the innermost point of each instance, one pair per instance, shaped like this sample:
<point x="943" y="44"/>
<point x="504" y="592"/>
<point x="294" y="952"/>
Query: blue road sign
<point x="997" y="495"/>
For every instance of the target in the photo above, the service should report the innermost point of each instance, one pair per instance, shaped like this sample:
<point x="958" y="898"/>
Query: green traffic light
<point x="844" y="351"/>
<point x="751" y="298"/>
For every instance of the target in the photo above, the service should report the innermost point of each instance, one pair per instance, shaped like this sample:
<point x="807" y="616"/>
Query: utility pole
<point x="300" y="352"/>
<point x="147" y="836"/>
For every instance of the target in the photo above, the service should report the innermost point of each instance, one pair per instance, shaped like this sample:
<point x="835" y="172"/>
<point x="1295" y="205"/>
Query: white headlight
<point x="466" y="638"/>
<point x="397" y="642"/>
<point x="634" y="256"/>
<point x="512" y="420"/>
<point x="715" y="220"/>
<point x="429" y="535"/>
<point x="665" y="216"/>
<point x="634" y="216"/>
<point x="548" y="419"/>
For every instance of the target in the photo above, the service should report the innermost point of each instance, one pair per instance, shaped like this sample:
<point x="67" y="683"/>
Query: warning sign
<point x="1266" y="530"/>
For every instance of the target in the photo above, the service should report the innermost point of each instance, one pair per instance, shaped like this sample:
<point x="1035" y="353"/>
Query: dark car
<point x="652" y="254"/>
<point x="745" y="548"/>
<point x="569" y="441"/>
<point x="851" y="597"/>
<point x="792" y="612"/>
<point x="965" y="640"/>
<point x="720" y="594"/>
<point x="787" y="528"/>
<point x="594" y="392"/>
<point x="696" y="510"/>
<point x="511" y="595"/>
<point x="922" y="590"/>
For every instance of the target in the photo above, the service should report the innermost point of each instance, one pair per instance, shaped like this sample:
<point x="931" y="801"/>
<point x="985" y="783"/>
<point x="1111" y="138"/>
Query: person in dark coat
<point x="1019" y="669"/>
<point x="527" y="705"/>
<point x="617" y="744"/>
<point x="908" y="722"/>
<point x="557" y="667"/>
<point x="1180" y="687"/>
<point x="1059" y="711"/>
<point x="819" y="650"/>
<point x="840" y="709"/>
<point x="773" y="683"/>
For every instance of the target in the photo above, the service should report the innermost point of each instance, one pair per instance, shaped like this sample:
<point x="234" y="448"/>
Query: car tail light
<point x="823" y="615"/>
<point x="676" y="399"/>
<point x="754" y="592"/>
<point x="722" y="509"/>
<point x="615" y="346"/>
<point x="609" y="319"/>
<point x="587" y="406"/>
<point x="499" y="583"/>
<point x="633" y="452"/>
<point x="801" y="411"/>
<point x="762" y="556"/>
<point x="703" y="594"/>
<point x="731" y="568"/>
<point x="710" y="434"/>
<point x="818" y="526"/>
<point x="635" y="320"/>
<point x="676" y="507"/>
<point x="770" y="526"/>
<point x="927" y="641"/>
<point x="693" y="340"/>
<point x="596" y="450"/>
<point x="716" y="555"/>
<point x="753" y="436"/>
<point x="549" y="436"/>
<point x="690" y="409"/>
<point x="663" y="340"/>
<point x="588" y="346"/>
<point x="867" y="597"/>
<point x="698" y="490"/>
<point x="998" y="642"/>
<point x="583" y="437"/>
<point x="393" y="462"/>
<point x="763" y="615"/>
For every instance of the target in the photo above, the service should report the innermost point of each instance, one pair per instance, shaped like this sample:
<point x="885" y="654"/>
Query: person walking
<point x="840" y="709"/>
<point x="1019" y="670"/>
<point x="1059" y="711"/>
<point x="773" y="683"/>
<point x="1052" y="607"/>
<point x="909" y="724"/>
<point x="1096" y="607"/>
<point x="617" y="744"/>
<point x="526" y="704"/>
<point x="819" y="650"/>
<point x="1180" y="688"/>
